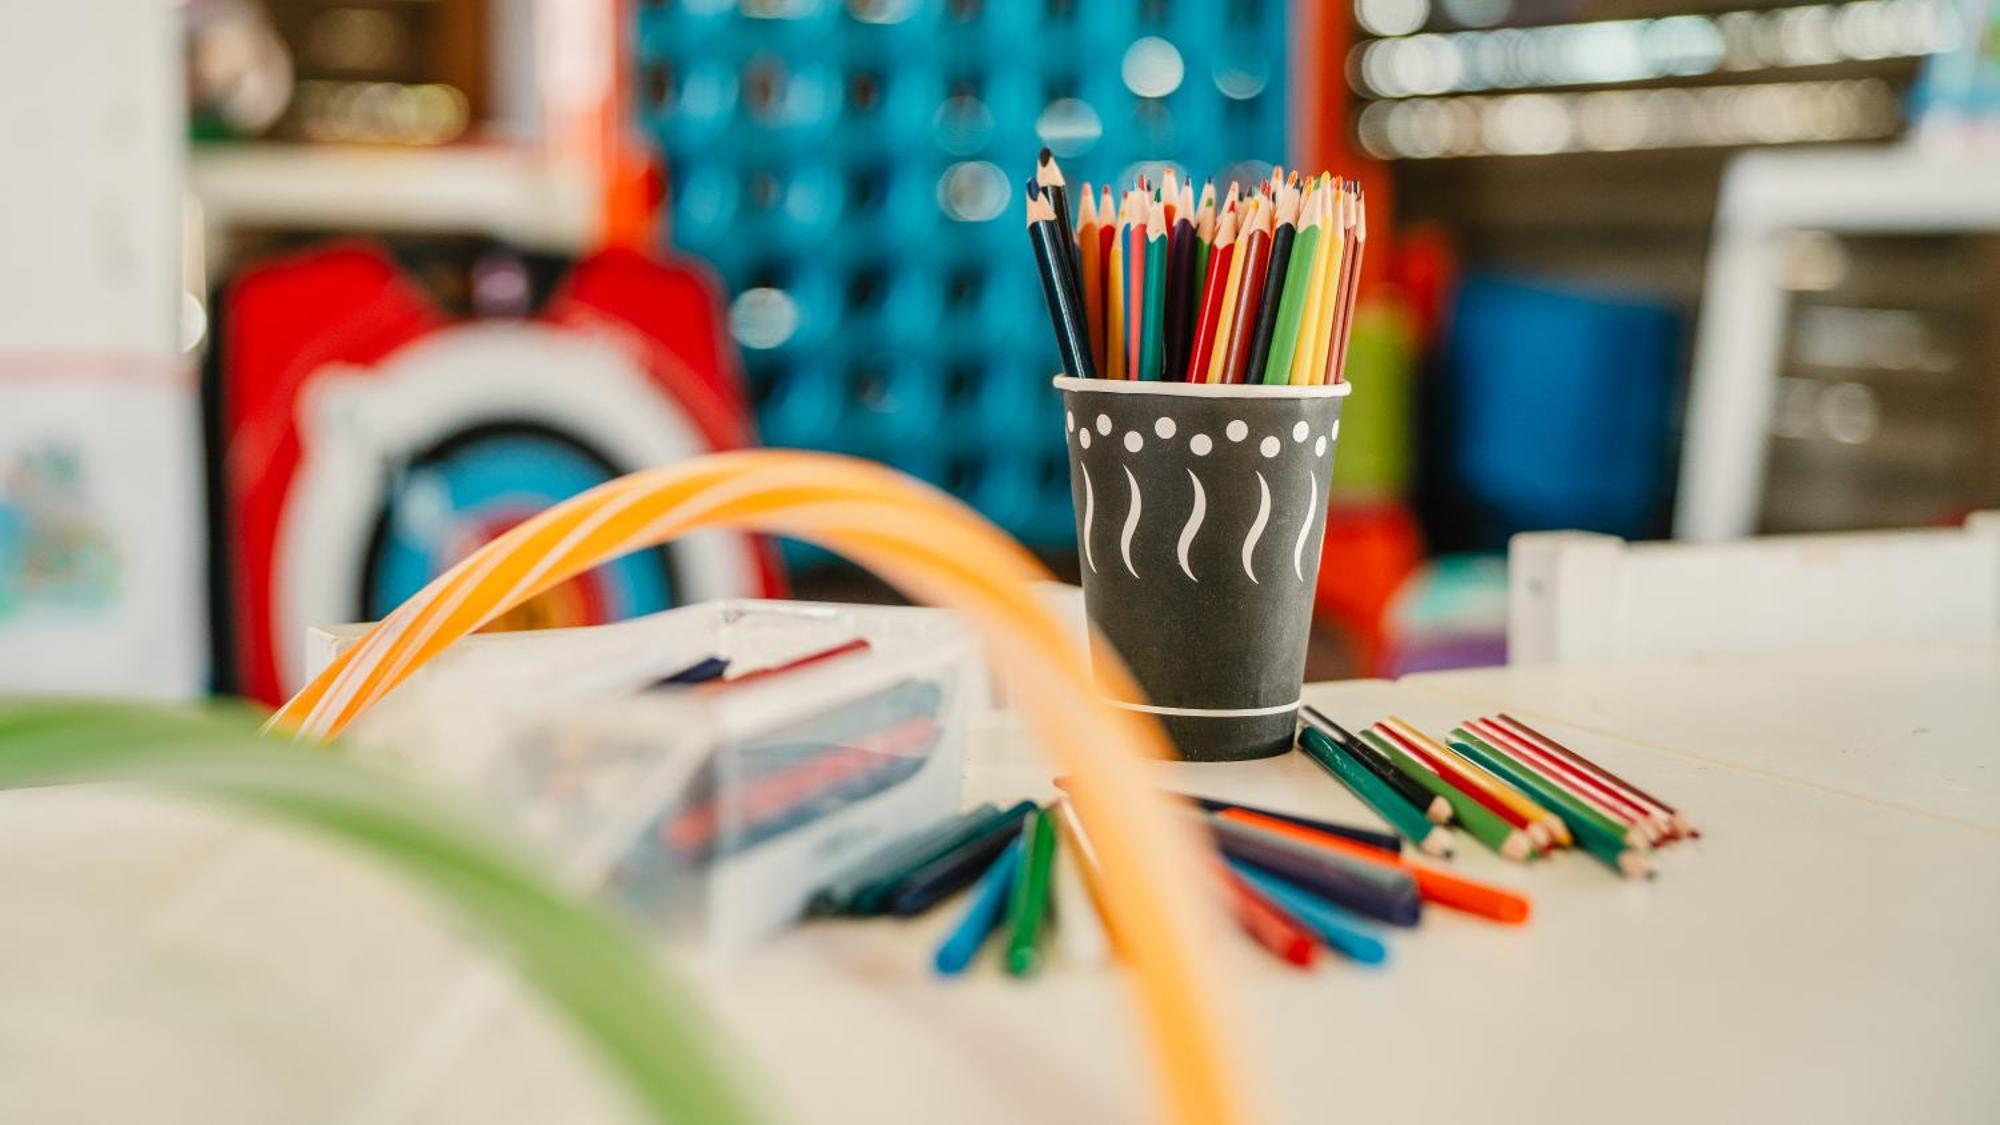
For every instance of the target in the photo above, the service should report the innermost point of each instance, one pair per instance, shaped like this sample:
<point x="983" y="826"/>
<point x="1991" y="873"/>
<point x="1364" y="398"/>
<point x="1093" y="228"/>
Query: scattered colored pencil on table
<point x="1294" y="885"/>
<point x="1508" y="786"/>
<point x="1160" y="283"/>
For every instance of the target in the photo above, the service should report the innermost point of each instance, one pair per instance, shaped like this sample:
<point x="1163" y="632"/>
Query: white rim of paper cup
<point x="1202" y="390"/>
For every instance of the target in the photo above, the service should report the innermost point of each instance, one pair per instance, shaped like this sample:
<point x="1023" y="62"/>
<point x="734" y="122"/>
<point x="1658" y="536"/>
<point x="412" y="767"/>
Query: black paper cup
<point x="1199" y="514"/>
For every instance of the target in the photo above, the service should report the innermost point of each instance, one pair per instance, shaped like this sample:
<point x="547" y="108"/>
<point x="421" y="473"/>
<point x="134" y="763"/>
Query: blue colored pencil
<point x="989" y="903"/>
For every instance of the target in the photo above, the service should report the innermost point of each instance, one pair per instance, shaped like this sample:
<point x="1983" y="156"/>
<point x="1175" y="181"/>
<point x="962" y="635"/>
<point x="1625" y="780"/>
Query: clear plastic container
<point x="712" y="811"/>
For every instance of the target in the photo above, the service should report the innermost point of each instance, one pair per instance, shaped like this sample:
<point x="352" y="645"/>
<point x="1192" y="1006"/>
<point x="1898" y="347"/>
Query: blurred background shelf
<point x="511" y="192"/>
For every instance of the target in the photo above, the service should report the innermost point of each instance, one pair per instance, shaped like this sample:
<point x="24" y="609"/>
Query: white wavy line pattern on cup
<point x="1194" y="522"/>
<point x="1257" y="525"/>
<point x="1131" y="522"/>
<point x="1299" y="548"/>
<point x="1089" y="513"/>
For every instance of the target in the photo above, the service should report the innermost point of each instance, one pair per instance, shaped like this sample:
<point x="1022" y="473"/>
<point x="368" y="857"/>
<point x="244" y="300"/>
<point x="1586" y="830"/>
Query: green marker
<point x="1474" y="817"/>
<point x="1031" y="895"/>
<point x="1374" y="792"/>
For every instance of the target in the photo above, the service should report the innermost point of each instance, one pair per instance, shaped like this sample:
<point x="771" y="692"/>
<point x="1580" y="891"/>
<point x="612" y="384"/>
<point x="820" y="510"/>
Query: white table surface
<point x="1829" y="951"/>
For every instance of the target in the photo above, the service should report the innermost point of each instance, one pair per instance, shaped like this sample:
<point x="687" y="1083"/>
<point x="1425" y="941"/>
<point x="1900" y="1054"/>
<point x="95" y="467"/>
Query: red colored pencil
<point x="1211" y="296"/>
<point x="858" y="644"/>
<point x="1264" y="921"/>
<point x="1249" y="295"/>
<point x="1458" y="780"/>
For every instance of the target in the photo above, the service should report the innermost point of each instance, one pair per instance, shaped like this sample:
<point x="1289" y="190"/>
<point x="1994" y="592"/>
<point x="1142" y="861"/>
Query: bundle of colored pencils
<point x="1507" y="785"/>
<point x="1167" y="284"/>
<point x="1293" y="884"/>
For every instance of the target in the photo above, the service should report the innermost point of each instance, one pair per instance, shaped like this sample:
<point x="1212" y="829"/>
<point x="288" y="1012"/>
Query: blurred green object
<point x="647" y="1030"/>
<point x="1372" y="458"/>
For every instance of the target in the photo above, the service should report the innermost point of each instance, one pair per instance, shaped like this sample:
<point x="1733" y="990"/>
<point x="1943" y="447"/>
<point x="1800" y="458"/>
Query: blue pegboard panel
<point x="854" y="172"/>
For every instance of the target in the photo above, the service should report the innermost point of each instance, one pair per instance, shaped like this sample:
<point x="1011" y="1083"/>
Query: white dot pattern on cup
<point x="1069" y="420"/>
<point x="1334" y="433"/>
<point x="1164" y="428"/>
<point x="1104" y="424"/>
<point x="1269" y="447"/>
<point x="1133" y="442"/>
<point x="1237" y="429"/>
<point x="1319" y="447"/>
<point x="1083" y="438"/>
<point x="1300" y="430"/>
<point x="1199" y="445"/>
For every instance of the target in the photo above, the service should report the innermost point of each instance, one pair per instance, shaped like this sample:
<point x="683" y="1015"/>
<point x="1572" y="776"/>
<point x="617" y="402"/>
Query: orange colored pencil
<point x="1441" y="887"/>
<point x="1089" y="257"/>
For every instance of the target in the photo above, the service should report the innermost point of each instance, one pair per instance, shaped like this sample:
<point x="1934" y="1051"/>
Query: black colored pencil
<point x="1267" y="311"/>
<point x="1435" y="808"/>
<point x="1180" y="298"/>
<point x="1049" y="175"/>
<point x="1388" y="842"/>
<point x="1065" y="300"/>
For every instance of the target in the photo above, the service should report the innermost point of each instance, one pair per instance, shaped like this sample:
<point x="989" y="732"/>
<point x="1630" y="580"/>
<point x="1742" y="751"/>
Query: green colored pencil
<point x="1292" y="306"/>
<point x="1153" y="357"/>
<point x="1030" y="903"/>
<point x="1605" y="839"/>
<point x="1374" y="792"/>
<point x="1474" y="817"/>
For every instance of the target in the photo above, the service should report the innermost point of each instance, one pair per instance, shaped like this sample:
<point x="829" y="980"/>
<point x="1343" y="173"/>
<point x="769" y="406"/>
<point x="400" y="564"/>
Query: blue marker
<point x="989" y="902"/>
<point x="1333" y="925"/>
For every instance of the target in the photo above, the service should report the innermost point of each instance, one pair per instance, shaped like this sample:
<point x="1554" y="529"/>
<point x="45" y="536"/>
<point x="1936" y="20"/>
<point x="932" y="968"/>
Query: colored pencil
<point x="1077" y="841"/>
<point x="947" y="874"/>
<point x="1266" y="922"/>
<point x="1066" y="314"/>
<point x="1218" y="349"/>
<point x="1603" y="842"/>
<point x="836" y="897"/>
<point x="1152" y="359"/>
<point x="1204" y="234"/>
<point x="1292" y="300"/>
<point x="874" y="896"/>
<point x="1513" y="806"/>
<point x="1585" y="787"/>
<point x="1029" y="906"/>
<point x="1387" y="895"/>
<point x="1312" y="317"/>
<point x="1434" y="807"/>
<point x="1048" y="175"/>
<point x="1211" y="300"/>
<point x="1441" y="887"/>
<point x="1477" y="820"/>
<point x="1337" y="362"/>
<point x="1388" y="843"/>
<point x="982" y="914"/>
<point x="1249" y="296"/>
<point x="1135" y="284"/>
<point x="702" y="671"/>
<point x="1114" y="299"/>
<point x="1371" y="791"/>
<point x="1550" y="793"/>
<point x="1080" y="932"/>
<point x="1335" y="928"/>
<point x="821" y="656"/>
<point x="1180" y="299"/>
<point x="1282" y="237"/>
<point x="1680" y="823"/>
<point x="1091" y="262"/>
